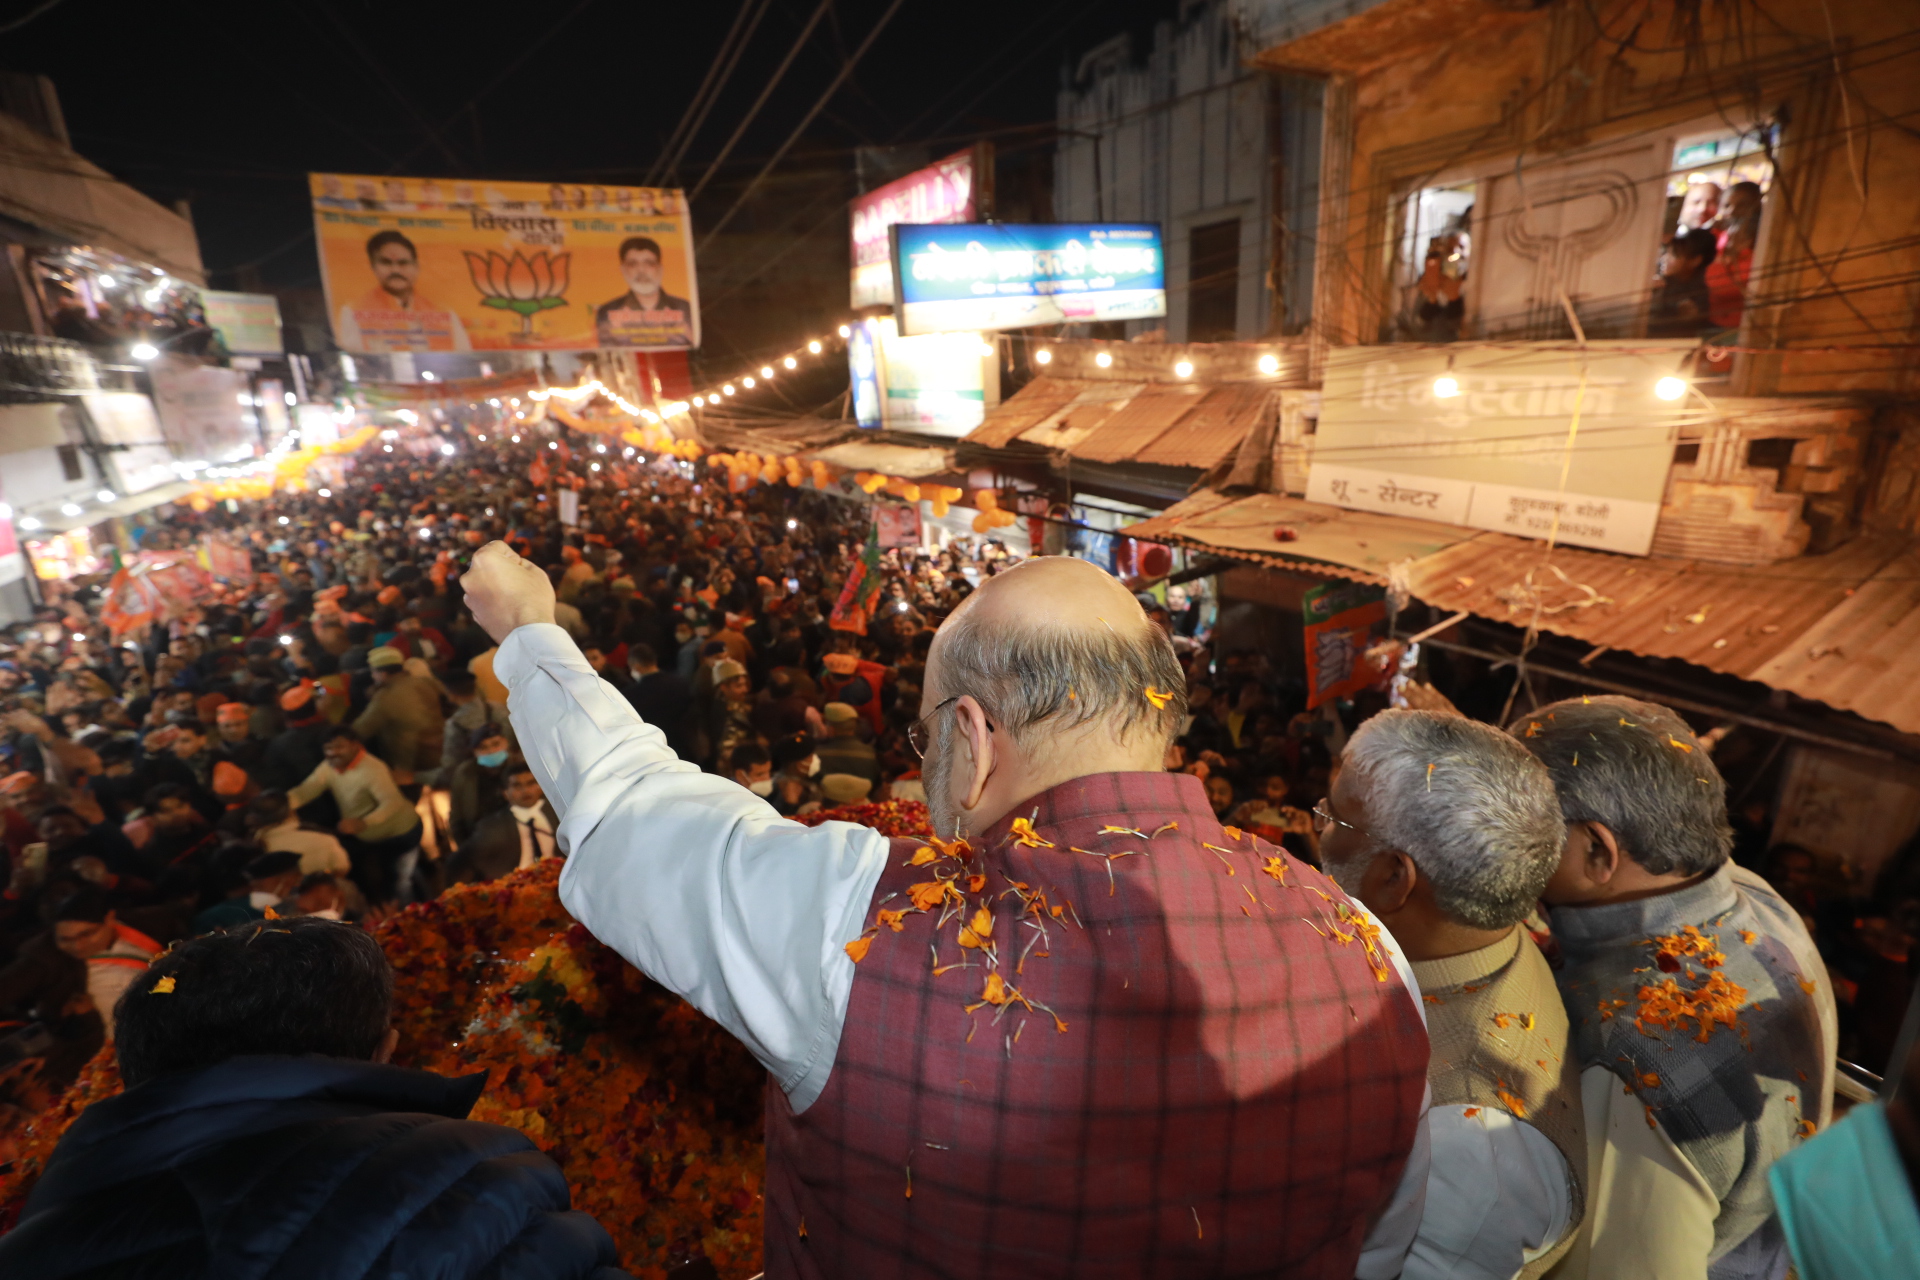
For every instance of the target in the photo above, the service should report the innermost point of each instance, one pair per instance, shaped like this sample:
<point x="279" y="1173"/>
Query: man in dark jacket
<point x="261" y="1134"/>
<point x="518" y="834"/>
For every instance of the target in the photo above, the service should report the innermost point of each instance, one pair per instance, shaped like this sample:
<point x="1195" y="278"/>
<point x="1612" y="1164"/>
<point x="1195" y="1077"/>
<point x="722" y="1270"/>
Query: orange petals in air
<point x="1157" y="698"/>
<point x="164" y="987"/>
<point x="1026" y="837"/>
<point x="857" y="949"/>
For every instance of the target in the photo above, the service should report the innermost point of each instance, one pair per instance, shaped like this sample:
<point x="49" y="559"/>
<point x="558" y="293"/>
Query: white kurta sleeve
<point x="1497" y="1197"/>
<point x="1383" y="1254"/>
<point x="689" y="876"/>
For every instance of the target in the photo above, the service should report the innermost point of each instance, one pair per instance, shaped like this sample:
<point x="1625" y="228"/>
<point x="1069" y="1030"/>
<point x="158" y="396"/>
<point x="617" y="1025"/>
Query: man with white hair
<point x="1447" y="829"/>
<point x="1701" y="1016"/>
<point x="1227" y="1069"/>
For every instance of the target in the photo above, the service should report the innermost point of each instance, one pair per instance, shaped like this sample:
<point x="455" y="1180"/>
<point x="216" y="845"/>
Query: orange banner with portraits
<point x="432" y="264"/>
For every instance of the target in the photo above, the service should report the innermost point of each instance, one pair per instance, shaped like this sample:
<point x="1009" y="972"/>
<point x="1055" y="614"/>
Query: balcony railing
<point x="36" y="369"/>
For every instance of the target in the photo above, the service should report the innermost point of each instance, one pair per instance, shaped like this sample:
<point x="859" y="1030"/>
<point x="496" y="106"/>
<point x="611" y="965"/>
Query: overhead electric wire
<point x="779" y="72"/>
<point x="526" y="52"/>
<point x="28" y="16"/>
<point x="805" y="120"/>
<point x="675" y="148"/>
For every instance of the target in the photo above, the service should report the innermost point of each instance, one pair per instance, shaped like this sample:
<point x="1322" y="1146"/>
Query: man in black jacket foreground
<point x="262" y="1135"/>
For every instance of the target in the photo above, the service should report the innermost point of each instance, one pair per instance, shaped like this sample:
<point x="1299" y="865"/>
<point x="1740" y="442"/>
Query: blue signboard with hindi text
<point x="1003" y="275"/>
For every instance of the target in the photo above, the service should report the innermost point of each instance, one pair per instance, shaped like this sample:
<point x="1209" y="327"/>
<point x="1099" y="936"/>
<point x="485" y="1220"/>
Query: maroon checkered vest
<point x="1196" y="1077"/>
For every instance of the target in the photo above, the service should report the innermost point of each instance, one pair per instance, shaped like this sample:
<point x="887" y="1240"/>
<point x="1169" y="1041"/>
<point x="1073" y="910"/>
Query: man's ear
<point x="1389" y="882"/>
<point x="388" y="1043"/>
<point x="1603" y="853"/>
<point x="979" y="755"/>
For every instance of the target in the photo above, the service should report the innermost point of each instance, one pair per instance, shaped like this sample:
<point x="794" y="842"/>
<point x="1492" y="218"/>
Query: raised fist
<point x="505" y="591"/>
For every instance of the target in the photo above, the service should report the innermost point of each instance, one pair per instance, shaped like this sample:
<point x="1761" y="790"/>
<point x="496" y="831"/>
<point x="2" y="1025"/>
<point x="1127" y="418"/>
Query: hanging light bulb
<point x="845" y="332"/>
<point x="1043" y="356"/>
<point x="1184" y="369"/>
<point x="814" y="346"/>
<point x="1670" y="388"/>
<point x="766" y="371"/>
<point x="747" y="382"/>
<point x="727" y="388"/>
<point x="1104" y="359"/>
<point x="1269" y="364"/>
<point x="1446" y="386"/>
<point x="791" y="363"/>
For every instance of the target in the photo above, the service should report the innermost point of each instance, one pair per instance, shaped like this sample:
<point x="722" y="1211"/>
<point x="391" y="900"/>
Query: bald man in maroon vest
<point x="1089" y="1033"/>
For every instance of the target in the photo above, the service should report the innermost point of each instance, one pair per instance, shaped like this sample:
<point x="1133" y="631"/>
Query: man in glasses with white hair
<point x="1447" y="829"/>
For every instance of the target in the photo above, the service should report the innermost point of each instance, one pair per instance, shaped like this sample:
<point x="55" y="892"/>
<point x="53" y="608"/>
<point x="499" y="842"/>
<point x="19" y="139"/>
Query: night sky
<point x="231" y="104"/>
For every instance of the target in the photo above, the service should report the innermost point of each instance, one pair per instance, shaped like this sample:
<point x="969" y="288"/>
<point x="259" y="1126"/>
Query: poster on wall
<point x="958" y="188"/>
<point x="899" y="524"/>
<point x="1482" y="436"/>
<point x="1008" y="275"/>
<point x="425" y="264"/>
<point x="205" y="411"/>
<point x="1340" y="621"/>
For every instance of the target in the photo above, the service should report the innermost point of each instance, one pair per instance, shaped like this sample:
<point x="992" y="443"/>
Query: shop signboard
<point x="956" y="189"/>
<point x="936" y="384"/>
<point x="426" y="264"/>
<point x="863" y="370"/>
<point x="1001" y="275"/>
<point x="1535" y="440"/>
<point x="249" y="323"/>
<point x="1340" y="621"/>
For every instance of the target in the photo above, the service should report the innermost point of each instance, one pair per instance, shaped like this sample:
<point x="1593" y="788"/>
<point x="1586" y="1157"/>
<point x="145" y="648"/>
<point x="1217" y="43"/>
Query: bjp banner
<point x="425" y="264"/>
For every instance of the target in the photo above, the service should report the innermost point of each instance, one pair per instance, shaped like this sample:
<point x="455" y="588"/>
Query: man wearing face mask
<point x="479" y="784"/>
<point x="753" y="768"/>
<point x="1228" y="1068"/>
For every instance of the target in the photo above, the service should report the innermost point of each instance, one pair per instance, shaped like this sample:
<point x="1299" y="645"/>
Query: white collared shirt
<point x="536" y="833"/>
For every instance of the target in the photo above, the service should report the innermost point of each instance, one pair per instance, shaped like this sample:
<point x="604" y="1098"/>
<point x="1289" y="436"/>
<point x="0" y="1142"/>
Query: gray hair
<point x="1472" y="809"/>
<point x="1635" y="768"/>
<point x="1065" y="676"/>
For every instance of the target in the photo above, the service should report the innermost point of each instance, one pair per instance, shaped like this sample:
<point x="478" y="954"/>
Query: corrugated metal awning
<point x="1288" y="532"/>
<point x="1836" y="628"/>
<point x="1165" y="424"/>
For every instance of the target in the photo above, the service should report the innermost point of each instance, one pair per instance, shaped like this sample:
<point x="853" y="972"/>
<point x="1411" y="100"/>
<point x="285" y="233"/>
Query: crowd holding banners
<point x="319" y="709"/>
<point x="418" y="264"/>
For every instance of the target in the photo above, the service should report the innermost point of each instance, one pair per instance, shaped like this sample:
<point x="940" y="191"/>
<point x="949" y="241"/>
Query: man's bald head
<point x="1054" y="644"/>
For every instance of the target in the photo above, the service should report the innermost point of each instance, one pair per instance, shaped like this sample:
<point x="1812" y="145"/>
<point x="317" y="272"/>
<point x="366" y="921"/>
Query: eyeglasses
<point x="920" y="732"/>
<point x="1323" y="818"/>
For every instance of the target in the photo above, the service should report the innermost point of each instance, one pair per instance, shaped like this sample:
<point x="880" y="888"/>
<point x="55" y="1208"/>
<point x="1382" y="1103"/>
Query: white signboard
<point x="1486" y="436"/>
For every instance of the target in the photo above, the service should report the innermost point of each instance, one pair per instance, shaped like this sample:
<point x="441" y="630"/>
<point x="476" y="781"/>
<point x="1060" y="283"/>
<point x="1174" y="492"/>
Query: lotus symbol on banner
<point x="520" y="284"/>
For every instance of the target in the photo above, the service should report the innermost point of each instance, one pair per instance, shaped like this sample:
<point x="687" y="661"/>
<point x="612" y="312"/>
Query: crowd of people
<point x="333" y="740"/>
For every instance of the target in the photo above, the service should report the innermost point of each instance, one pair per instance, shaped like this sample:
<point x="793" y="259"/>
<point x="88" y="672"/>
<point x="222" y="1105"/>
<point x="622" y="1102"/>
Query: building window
<point x="1434" y="252"/>
<point x="1213" y="282"/>
<point x="1716" y="187"/>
